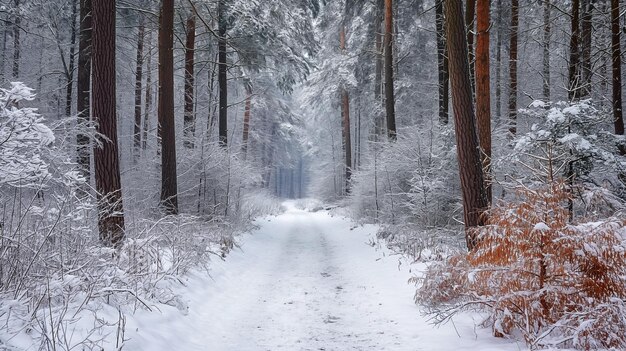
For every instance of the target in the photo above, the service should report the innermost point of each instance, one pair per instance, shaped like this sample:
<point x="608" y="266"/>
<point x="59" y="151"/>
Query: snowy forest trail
<point x="306" y="281"/>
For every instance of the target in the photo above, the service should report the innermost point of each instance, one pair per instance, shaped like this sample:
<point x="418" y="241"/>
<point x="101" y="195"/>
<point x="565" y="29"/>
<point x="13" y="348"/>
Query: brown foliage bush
<point x="555" y="282"/>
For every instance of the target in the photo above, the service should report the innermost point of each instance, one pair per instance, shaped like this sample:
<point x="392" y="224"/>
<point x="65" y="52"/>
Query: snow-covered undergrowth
<point x="60" y="289"/>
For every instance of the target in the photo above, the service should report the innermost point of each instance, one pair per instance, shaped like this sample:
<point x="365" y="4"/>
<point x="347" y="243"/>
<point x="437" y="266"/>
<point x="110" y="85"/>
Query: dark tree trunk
<point x="246" y="120"/>
<point x="221" y="76"/>
<point x="83" y="87"/>
<point x="616" y="51"/>
<point x="470" y="21"/>
<point x="574" y="54"/>
<point x="149" y="96"/>
<point x="547" y="32"/>
<point x="499" y="61"/>
<point x="483" y="88"/>
<point x="471" y="171"/>
<point x="389" y="90"/>
<point x="190" y="47"/>
<point x="513" y="67"/>
<point x="138" y="88"/>
<point x="17" y="22"/>
<point x="345" y="113"/>
<point x="586" y="38"/>
<point x="379" y="118"/>
<point x="442" y="63"/>
<point x="169" y="182"/>
<point x="107" y="169"/>
<point x="69" y="89"/>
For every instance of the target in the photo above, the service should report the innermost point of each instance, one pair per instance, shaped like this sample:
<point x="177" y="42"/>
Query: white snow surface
<point x="305" y="281"/>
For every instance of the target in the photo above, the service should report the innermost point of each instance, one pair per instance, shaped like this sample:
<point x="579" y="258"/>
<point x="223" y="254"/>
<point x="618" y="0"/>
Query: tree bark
<point x="190" y="47"/>
<point x="246" y="120"/>
<point x="547" y="33"/>
<point x="470" y="18"/>
<point x="389" y="80"/>
<point x="499" y="61"/>
<point x="442" y="63"/>
<point x="471" y="171"/>
<point x="345" y="113"/>
<point x="83" y="87"/>
<point x="483" y="88"/>
<point x="616" y="51"/>
<point x="221" y="76"/>
<point x="169" y="182"/>
<point x="17" y="22"/>
<point x="574" y="54"/>
<point x="69" y="89"/>
<point x="378" y="80"/>
<point x="107" y="169"/>
<point x="148" y="98"/>
<point x="513" y="67"/>
<point x="586" y="40"/>
<point x="138" y="89"/>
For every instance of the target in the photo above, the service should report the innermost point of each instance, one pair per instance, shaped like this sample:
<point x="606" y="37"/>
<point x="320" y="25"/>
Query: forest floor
<point x="305" y="281"/>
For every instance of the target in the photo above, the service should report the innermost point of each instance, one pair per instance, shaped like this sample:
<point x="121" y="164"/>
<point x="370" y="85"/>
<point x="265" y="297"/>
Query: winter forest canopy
<point x="482" y="140"/>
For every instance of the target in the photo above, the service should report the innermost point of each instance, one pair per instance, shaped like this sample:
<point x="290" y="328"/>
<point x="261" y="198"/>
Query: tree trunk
<point x="378" y="80"/>
<point x="221" y="76"/>
<point x="499" y="61"/>
<point x="470" y="18"/>
<point x="169" y="185"/>
<point x="471" y="171"/>
<point x="190" y="47"/>
<point x="586" y="38"/>
<point x="138" y="89"/>
<point x="513" y="67"/>
<point x="616" y="51"/>
<point x="345" y="113"/>
<point x="83" y="87"/>
<point x="547" y="32"/>
<point x="574" y="55"/>
<point x="148" y="98"/>
<point x="483" y="89"/>
<point x="442" y="63"/>
<point x="69" y="93"/>
<point x="246" y="120"/>
<point x="107" y="169"/>
<point x="17" y="22"/>
<point x="389" y="91"/>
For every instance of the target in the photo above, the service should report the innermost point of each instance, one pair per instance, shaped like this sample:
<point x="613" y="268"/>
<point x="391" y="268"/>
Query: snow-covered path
<point x="304" y="281"/>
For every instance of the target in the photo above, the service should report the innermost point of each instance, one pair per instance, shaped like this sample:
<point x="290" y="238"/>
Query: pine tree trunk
<point x="221" y="76"/>
<point x="17" y="22"/>
<point x="389" y="90"/>
<point x="547" y="33"/>
<point x="442" y="63"/>
<point x="169" y="182"/>
<point x="616" y="51"/>
<point x="499" y="61"/>
<point x="574" y="54"/>
<point x="148" y="99"/>
<point x="190" y="47"/>
<point x="69" y="89"/>
<point x="483" y="88"/>
<point x="513" y="67"/>
<point x="586" y="41"/>
<point x="471" y="171"/>
<point x="345" y="113"/>
<point x="107" y="169"/>
<point x="138" y="89"/>
<point x="470" y="21"/>
<point x="83" y="87"/>
<point x="246" y="120"/>
<point x="378" y="80"/>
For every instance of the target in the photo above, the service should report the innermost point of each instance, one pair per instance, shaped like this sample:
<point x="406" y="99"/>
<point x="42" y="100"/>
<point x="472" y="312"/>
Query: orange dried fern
<point x="540" y="275"/>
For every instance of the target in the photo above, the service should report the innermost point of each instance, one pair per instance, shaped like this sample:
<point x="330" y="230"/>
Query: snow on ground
<point x="304" y="281"/>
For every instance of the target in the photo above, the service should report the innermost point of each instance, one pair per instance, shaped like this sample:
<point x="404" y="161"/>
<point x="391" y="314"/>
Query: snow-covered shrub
<point x="556" y="283"/>
<point x="23" y="137"/>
